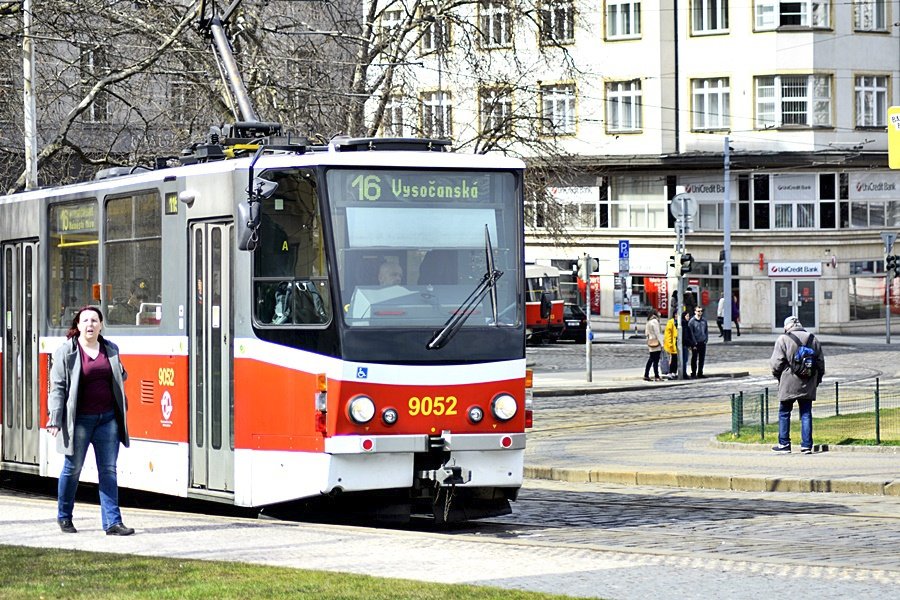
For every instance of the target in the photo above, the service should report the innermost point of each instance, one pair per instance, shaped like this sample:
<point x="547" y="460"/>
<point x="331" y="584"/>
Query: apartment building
<point x="642" y="98"/>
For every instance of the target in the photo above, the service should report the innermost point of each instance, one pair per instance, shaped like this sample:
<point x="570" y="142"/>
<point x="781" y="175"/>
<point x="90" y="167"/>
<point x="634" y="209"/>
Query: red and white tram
<point x="543" y="303"/>
<point x="370" y="337"/>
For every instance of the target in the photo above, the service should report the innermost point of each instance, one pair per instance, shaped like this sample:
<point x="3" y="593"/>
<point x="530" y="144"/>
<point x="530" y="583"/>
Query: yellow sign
<point x="894" y="137"/>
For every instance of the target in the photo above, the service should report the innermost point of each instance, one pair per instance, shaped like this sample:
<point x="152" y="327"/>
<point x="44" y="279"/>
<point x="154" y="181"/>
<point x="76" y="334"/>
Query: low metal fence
<point x="855" y="413"/>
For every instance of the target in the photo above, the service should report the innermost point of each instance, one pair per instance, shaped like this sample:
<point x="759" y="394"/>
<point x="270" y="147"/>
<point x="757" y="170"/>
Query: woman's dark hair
<point x="73" y="328"/>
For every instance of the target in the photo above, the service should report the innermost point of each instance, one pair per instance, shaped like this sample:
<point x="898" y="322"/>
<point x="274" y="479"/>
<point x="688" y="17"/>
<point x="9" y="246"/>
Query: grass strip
<point x="840" y="430"/>
<point x="49" y="573"/>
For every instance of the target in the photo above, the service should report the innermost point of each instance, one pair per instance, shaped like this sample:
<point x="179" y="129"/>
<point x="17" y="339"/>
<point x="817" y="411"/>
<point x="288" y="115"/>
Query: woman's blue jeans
<point x="102" y="432"/>
<point x="784" y="423"/>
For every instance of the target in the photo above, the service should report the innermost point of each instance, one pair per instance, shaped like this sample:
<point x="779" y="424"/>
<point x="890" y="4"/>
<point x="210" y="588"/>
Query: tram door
<point x="21" y="419"/>
<point x="212" y="405"/>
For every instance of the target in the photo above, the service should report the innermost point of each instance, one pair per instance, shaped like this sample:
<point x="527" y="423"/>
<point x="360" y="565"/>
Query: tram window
<point x="73" y="255"/>
<point x="290" y="280"/>
<point x="133" y="259"/>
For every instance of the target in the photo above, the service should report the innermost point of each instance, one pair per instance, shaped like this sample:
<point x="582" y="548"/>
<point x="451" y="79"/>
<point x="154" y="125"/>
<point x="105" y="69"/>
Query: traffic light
<point x="892" y="265"/>
<point x="586" y="266"/>
<point x="687" y="263"/>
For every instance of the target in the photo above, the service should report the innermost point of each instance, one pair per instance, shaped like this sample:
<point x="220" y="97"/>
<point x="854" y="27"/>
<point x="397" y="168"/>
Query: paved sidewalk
<point x="686" y="454"/>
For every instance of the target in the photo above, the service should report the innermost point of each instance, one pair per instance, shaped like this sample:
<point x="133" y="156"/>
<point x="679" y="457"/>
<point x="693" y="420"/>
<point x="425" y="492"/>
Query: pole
<point x="30" y="117"/>
<point x="588" y="359"/>
<point x="889" y="273"/>
<point x="680" y="225"/>
<point x="726" y="265"/>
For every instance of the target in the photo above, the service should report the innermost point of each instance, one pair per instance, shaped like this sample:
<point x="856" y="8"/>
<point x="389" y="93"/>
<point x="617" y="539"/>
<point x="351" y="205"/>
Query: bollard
<point x="762" y="423"/>
<point x="877" y="412"/>
<point x="741" y="409"/>
<point x="735" y="426"/>
<point x="766" y="392"/>
<point x="837" y="405"/>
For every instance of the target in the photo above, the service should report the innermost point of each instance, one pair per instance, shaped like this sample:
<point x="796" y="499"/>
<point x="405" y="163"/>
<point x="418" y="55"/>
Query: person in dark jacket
<point x="792" y="387"/>
<point x="87" y="406"/>
<point x="699" y="336"/>
<point x="687" y="342"/>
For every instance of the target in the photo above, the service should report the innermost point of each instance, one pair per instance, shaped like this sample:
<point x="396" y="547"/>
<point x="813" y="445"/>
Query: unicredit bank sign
<point x="804" y="269"/>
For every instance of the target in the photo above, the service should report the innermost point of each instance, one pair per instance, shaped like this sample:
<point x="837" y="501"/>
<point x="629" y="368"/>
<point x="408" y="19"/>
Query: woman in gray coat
<point x="87" y="406"/>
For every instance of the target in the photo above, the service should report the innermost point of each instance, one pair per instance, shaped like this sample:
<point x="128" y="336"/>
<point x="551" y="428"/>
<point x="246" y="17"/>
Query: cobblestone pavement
<point x="847" y="531"/>
<point x="612" y="544"/>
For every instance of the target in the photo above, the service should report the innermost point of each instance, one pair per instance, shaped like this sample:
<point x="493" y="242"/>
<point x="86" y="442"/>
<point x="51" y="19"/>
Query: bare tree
<point x="127" y="81"/>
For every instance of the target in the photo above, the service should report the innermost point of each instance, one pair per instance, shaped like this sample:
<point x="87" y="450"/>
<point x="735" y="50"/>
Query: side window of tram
<point x="289" y="275"/>
<point x="73" y="254"/>
<point x="132" y="247"/>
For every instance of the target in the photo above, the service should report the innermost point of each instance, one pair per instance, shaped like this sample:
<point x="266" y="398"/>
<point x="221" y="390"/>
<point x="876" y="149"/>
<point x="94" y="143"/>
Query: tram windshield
<point x="412" y="246"/>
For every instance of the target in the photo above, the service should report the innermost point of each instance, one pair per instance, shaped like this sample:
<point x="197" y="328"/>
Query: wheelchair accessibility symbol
<point x="362" y="373"/>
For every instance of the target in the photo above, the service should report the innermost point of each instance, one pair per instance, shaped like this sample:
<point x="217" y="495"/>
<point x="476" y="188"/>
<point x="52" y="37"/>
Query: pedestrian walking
<point x="687" y="343"/>
<point x="670" y="345"/>
<point x="654" y="345"/>
<point x="699" y="337"/>
<point x="736" y="314"/>
<point x="794" y="384"/>
<point x="87" y="407"/>
<point x="720" y="316"/>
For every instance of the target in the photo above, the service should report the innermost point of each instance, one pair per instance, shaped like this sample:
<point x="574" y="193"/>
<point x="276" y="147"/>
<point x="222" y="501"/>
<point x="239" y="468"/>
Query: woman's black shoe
<point x="66" y="526"/>
<point x="119" y="529"/>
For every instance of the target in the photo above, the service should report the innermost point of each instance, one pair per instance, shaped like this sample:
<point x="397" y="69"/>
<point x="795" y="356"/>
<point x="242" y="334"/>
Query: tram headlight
<point x="504" y="407"/>
<point x="361" y="410"/>
<point x="389" y="416"/>
<point x="476" y="414"/>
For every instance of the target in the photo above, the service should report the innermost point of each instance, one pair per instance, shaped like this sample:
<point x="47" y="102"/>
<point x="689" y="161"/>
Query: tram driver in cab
<point x="125" y="312"/>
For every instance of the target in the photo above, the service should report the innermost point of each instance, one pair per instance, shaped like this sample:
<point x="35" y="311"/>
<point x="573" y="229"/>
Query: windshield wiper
<point x="487" y="284"/>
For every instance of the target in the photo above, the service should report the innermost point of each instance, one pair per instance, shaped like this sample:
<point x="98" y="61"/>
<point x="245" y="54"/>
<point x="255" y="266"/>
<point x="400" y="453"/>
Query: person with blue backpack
<point x="798" y="364"/>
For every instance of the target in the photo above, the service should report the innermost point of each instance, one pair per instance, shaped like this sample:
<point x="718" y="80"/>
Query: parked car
<point x="575" y="323"/>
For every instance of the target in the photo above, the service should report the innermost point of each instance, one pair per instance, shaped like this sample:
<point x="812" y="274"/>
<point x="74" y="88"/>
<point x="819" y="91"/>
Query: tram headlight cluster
<point x="504" y="407"/>
<point x="361" y="410"/>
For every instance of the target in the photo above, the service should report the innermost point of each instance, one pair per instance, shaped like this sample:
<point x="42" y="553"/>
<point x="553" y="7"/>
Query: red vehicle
<point x="543" y="304"/>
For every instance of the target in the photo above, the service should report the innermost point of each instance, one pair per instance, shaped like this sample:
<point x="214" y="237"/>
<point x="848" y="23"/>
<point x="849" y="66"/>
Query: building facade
<point x="642" y="98"/>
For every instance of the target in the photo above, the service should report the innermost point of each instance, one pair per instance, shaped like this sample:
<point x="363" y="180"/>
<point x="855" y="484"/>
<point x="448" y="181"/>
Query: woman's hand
<point x="53" y="431"/>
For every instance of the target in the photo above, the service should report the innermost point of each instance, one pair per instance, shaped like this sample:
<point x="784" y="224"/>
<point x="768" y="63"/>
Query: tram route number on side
<point x="428" y="406"/>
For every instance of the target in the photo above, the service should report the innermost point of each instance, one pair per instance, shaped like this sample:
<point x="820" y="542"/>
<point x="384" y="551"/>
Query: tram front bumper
<point x="371" y="462"/>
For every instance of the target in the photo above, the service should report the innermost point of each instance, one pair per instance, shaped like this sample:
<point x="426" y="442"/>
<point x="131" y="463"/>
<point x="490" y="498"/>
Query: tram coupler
<point x="447" y="475"/>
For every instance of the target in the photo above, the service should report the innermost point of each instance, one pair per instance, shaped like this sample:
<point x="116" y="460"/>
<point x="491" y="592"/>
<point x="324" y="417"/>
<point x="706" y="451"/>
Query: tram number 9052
<point x="428" y="406"/>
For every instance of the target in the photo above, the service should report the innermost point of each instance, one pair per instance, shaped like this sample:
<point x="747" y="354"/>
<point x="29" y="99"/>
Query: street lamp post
<point x="30" y="113"/>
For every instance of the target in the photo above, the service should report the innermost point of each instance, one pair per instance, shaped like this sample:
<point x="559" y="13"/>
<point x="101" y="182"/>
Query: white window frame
<point x="776" y="97"/>
<point x="711" y="103"/>
<point x="390" y="24"/>
<point x="871" y="93"/>
<point x="771" y="14"/>
<point x="709" y="16"/>
<point x="94" y="64"/>
<point x="558" y="109"/>
<point x="182" y="100"/>
<point x="557" y="21"/>
<point x="7" y="96"/>
<point x="395" y="122"/>
<point x="495" y="20"/>
<point x="436" y="35"/>
<point x="623" y="19"/>
<point x="437" y="114"/>
<point x="495" y="111"/>
<point x="870" y="15"/>
<point x="624" y="106"/>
